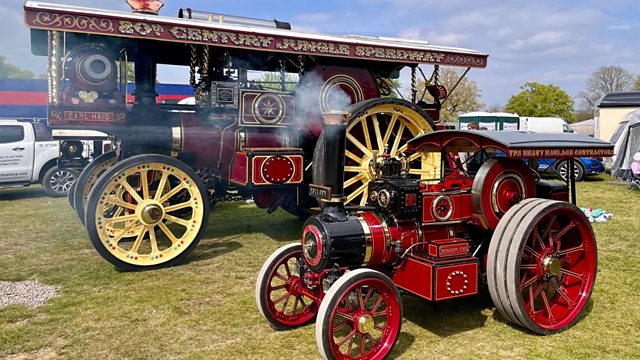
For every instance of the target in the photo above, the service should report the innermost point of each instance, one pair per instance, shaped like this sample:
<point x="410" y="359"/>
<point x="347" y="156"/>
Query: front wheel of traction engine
<point x="278" y="293"/>
<point x="148" y="211"/>
<point x="360" y="317"/>
<point x="542" y="265"/>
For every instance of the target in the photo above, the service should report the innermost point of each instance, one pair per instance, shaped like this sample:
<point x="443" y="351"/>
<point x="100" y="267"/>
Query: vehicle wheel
<point x="57" y="181"/>
<point x="378" y="123"/>
<point x="360" y="317"/>
<point x="277" y="290"/>
<point x="70" y="194"/>
<point x="88" y="178"/>
<point x="498" y="185"/>
<point x="544" y="266"/>
<point x="563" y="166"/>
<point x="146" y="212"/>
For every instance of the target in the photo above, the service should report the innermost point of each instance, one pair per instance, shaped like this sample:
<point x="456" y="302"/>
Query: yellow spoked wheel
<point x="378" y="124"/>
<point x="88" y="178"/>
<point x="148" y="211"/>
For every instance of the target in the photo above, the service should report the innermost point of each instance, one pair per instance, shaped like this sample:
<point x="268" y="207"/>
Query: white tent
<point x="627" y="145"/>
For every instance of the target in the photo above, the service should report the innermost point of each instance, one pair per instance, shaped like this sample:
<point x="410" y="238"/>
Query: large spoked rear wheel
<point x="360" y="317"/>
<point x="88" y="178"/>
<point x="542" y="265"/>
<point x="278" y="293"/>
<point x="376" y="124"/>
<point x="148" y="211"/>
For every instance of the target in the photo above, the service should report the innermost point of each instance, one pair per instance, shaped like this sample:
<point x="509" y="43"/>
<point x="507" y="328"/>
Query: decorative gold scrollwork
<point x="74" y="22"/>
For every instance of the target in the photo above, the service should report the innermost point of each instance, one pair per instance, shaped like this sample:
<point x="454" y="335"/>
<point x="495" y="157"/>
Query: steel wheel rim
<point x="284" y="284"/>
<point x="557" y="269"/>
<point x="140" y="225"/>
<point x="382" y="125"/>
<point x="61" y="181"/>
<point x="365" y="321"/>
<point x="94" y="175"/>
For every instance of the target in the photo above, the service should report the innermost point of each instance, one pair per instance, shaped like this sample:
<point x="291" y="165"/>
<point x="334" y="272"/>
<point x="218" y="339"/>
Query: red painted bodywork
<point x="438" y="280"/>
<point x="267" y="167"/>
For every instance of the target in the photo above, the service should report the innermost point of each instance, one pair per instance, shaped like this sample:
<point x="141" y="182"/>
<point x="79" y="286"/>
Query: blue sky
<point x="554" y="42"/>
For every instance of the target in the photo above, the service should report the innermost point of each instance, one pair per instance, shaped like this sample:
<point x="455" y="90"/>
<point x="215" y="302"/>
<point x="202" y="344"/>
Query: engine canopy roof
<point x="45" y="16"/>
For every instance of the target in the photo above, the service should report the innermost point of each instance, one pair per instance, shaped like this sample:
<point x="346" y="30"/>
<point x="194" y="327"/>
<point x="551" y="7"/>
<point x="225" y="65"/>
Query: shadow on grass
<point x="405" y="341"/>
<point x="210" y="249"/>
<point x="21" y="193"/>
<point x="447" y="318"/>
<point x="233" y="220"/>
<point x="586" y="311"/>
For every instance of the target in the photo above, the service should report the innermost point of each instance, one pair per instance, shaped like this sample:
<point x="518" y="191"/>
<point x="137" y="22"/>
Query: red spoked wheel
<point x="278" y="294"/>
<point x="544" y="266"/>
<point x="360" y="317"/>
<point x="499" y="185"/>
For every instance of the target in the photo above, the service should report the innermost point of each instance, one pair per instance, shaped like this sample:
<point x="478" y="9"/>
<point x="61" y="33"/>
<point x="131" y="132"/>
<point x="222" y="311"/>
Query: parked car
<point x="584" y="166"/>
<point x="31" y="154"/>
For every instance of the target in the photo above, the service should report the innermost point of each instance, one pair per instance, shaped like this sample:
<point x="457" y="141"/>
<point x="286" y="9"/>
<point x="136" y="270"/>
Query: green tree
<point x="10" y="71"/>
<point x="636" y="84"/>
<point x="537" y="99"/>
<point x="464" y="98"/>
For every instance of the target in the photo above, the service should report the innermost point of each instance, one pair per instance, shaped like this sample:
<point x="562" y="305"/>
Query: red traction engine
<point x="438" y="239"/>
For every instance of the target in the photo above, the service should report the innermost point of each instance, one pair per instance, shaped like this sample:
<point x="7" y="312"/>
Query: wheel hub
<point x="551" y="266"/>
<point x="151" y="213"/>
<point x="366" y="324"/>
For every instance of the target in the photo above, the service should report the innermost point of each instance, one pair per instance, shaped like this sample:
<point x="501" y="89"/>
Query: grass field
<point x="205" y="308"/>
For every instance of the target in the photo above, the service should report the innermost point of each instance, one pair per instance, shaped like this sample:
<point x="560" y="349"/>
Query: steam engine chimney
<point x="328" y="158"/>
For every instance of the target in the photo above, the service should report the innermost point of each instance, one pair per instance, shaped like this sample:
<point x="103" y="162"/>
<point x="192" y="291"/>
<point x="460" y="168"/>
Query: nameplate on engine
<point x="319" y="191"/>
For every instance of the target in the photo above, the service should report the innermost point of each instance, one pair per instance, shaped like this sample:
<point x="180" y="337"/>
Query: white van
<point x="545" y="125"/>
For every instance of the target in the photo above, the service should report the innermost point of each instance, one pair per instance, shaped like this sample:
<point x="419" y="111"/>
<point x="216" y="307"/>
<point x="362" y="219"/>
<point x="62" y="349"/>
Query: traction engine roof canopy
<point x="514" y="144"/>
<point x="44" y="16"/>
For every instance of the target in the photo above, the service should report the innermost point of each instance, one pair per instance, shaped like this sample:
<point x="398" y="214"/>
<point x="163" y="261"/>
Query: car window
<point x="43" y="133"/>
<point x="11" y="133"/>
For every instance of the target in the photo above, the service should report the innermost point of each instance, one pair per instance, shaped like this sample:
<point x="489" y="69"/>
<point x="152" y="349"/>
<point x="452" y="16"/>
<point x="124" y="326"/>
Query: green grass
<point x="205" y="308"/>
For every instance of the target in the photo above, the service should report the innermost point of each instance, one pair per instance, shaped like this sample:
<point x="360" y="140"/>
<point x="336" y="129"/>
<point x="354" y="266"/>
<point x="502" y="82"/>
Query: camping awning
<point x="514" y="144"/>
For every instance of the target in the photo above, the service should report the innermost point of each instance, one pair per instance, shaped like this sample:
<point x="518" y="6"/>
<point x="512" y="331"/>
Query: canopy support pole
<point x="572" y="180"/>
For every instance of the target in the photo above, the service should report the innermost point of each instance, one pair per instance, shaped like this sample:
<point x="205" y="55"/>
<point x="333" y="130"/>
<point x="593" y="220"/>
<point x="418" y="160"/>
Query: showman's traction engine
<point x="446" y="237"/>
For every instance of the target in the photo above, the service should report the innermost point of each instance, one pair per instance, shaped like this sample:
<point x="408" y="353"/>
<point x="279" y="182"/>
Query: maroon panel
<point x="201" y="140"/>
<point x="64" y="116"/>
<point x="266" y="108"/>
<point x="240" y="169"/>
<point x="269" y="169"/>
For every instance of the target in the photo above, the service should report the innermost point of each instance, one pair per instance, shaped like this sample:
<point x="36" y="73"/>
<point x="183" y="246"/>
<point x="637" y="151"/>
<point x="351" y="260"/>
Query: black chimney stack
<point x="328" y="158"/>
